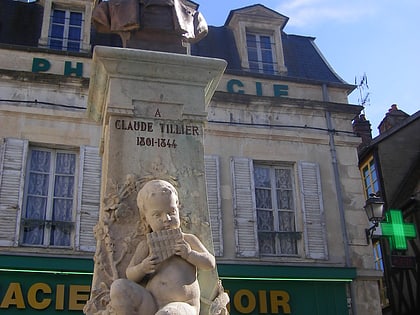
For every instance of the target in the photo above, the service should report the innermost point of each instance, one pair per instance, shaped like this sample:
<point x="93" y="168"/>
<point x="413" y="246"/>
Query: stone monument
<point x="153" y="234"/>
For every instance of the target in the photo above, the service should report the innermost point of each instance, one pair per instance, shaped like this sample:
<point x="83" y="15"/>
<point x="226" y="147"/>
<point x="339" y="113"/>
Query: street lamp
<point x="374" y="208"/>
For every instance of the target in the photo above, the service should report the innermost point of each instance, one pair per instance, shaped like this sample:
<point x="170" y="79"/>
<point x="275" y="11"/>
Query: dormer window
<point x="260" y="53"/>
<point x="65" y="30"/>
<point x="66" y="25"/>
<point x="257" y="32"/>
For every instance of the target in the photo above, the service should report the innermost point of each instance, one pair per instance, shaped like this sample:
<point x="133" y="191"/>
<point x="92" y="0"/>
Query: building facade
<point x="284" y="190"/>
<point x="389" y="165"/>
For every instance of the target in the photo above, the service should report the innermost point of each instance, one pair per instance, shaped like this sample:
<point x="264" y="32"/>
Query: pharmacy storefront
<point x="33" y="285"/>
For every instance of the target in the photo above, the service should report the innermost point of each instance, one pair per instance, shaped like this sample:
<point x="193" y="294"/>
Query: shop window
<point x="370" y="177"/>
<point x="261" y="57"/>
<point x="65" y="30"/>
<point x="48" y="216"/>
<point x="268" y="220"/>
<point x="275" y="206"/>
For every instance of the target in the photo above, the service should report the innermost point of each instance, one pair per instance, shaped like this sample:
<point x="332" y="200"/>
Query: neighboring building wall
<point x="390" y="167"/>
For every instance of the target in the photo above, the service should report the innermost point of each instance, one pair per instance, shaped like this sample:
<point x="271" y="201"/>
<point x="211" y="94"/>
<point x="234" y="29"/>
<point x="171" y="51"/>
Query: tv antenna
<point x="363" y="88"/>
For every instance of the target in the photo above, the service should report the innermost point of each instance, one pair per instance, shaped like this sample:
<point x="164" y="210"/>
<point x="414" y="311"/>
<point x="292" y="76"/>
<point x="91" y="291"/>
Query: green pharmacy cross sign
<point x="396" y="230"/>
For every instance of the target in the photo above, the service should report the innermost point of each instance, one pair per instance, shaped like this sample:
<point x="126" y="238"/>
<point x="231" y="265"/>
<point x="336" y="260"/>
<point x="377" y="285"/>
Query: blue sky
<point x="378" y="37"/>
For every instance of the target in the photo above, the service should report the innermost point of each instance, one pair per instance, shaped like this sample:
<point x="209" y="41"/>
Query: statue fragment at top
<point x="163" y="25"/>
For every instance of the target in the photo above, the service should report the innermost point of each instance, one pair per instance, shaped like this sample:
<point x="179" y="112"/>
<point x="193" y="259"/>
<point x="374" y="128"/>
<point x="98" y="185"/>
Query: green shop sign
<point x="256" y="289"/>
<point x="62" y="286"/>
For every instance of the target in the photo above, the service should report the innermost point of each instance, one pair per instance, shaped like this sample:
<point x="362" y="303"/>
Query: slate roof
<point x="302" y="58"/>
<point x="20" y="24"/>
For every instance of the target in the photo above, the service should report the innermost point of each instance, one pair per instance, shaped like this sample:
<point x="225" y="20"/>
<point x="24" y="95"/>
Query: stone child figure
<point x="162" y="274"/>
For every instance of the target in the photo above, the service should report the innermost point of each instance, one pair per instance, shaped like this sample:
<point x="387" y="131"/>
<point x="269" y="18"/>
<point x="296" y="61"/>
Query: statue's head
<point x="158" y="205"/>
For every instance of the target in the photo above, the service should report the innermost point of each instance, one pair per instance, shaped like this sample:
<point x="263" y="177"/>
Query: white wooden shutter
<point x="244" y="207"/>
<point x="211" y="163"/>
<point x="89" y="197"/>
<point x="11" y="189"/>
<point x="313" y="211"/>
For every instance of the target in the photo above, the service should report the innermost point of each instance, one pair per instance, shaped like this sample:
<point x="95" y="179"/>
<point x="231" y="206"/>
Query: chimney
<point x="362" y="128"/>
<point x="393" y="118"/>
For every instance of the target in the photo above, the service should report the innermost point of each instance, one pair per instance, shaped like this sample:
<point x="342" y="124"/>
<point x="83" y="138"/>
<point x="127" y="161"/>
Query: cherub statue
<point x="162" y="274"/>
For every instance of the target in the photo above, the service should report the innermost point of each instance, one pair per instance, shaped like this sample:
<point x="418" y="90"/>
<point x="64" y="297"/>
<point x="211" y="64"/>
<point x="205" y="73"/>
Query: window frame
<point x="368" y="181"/>
<point x="67" y="5"/>
<point x="276" y="210"/>
<point x="262" y="65"/>
<point x="65" y="39"/>
<point x="49" y="207"/>
<point x="310" y="214"/>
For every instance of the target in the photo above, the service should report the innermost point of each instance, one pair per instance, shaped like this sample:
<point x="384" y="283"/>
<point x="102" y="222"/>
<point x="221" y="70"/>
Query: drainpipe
<point x="331" y="131"/>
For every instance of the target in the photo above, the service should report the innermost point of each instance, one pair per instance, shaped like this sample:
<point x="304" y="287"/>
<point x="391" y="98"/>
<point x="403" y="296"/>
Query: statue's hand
<point x="149" y="264"/>
<point x="183" y="249"/>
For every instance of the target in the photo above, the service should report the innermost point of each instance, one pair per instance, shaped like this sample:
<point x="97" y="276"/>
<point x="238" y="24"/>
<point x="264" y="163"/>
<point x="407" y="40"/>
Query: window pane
<point x="57" y="31"/>
<point x="288" y="245"/>
<point x="38" y="184"/>
<point x="285" y="199"/>
<point x="76" y="18"/>
<point x="283" y="178"/>
<point x="263" y="199"/>
<point x="254" y="66"/>
<point x="253" y="56"/>
<point x="73" y="46"/>
<point x="64" y="186"/>
<point x="75" y="33"/>
<point x="251" y="40"/>
<point x="262" y="177"/>
<point x="372" y="165"/>
<point x="33" y="234"/>
<point x="60" y="235"/>
<point x="266" y="242"/>
<point x="36" y="208"/>
<point x="366" y="172"/>
<point x="268" y="68"/>
<point x="265" y="42"/>
<point x="59" y="16"/>
<point x="56" y="44"/>
<point x="376" y="187"/>
<point x="40" y="161"/>
<point x="62" y="210"/>
<point x="265" y="220"/>
<point x="286" y="221"/>
<point x="66" y="163"/>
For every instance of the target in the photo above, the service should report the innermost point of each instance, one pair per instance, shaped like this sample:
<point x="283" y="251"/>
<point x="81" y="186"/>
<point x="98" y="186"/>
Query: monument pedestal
<point x="152" y="106"/>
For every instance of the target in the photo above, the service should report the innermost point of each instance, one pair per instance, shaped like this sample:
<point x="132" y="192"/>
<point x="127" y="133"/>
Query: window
<point x="370" y="178"/>
<point x="65" y="30"/>
<point x="44" y="208"/>
<point x="260" y="53"/>
<point x="379" y="265"/>
<point x="266" y="212"/>
<point x="48" y="217"/>
<point x="258" y="35"/>
<point x="275" y="206"/>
